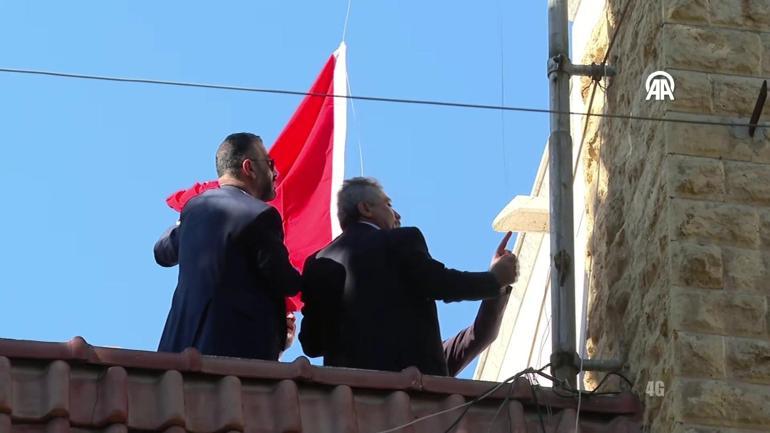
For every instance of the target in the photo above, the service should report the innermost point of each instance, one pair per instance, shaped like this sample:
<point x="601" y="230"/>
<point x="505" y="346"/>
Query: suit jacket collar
<point x="235" y="188"/>
<point x="370" y="224"/>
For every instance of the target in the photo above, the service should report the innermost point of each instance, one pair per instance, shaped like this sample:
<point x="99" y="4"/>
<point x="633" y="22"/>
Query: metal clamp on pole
<point x="596" y="71"/>
<point x="602" y="364"/>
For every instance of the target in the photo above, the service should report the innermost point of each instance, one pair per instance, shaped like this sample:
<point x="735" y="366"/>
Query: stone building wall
<point x="679" y="243"/>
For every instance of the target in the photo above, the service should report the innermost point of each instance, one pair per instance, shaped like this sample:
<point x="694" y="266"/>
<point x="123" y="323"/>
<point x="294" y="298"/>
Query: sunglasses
<point x="270" y="162"/>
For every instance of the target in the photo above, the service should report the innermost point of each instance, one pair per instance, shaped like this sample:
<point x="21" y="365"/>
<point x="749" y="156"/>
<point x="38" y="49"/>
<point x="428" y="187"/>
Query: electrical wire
<point x="374" y="98"/>
<point x="500" y="408"/>
<point x="532" y="379"/>
<point x="537" y="405"/>
<point x="468" y="404"/>
<point x="511" y="379"/>
<point x="563" y="384"/>
<point x="604" y="379"/>
<point x="502" y="92"/>
<point x="460" y="406"/>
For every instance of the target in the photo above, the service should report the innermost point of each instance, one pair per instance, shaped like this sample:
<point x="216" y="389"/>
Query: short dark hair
<point x="233" y="150"/>
<point x="355" y="190"/>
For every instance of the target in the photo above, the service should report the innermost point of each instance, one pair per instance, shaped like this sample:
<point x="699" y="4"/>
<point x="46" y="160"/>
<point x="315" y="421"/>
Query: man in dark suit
<point x="234" y="269"/>
<point x="370" y="294"/>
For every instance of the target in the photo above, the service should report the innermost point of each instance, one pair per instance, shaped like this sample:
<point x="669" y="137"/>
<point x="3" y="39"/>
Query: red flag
<point x="310" y="157"/>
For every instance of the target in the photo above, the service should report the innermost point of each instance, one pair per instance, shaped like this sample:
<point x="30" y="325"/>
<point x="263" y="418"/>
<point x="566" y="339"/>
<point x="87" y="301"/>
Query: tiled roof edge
<point x="78" y="351"/>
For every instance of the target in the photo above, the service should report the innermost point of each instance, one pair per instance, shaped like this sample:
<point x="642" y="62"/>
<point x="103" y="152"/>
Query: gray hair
<point x="355" y="190"/>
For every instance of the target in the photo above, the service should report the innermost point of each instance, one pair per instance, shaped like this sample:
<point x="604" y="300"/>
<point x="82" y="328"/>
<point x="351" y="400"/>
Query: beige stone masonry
<point x="719" y="312"/>
<point x="741" y="14"/>
<point x="722" y="403"/>
<point x="748" y="359"/>
<point x="699" y="355"/>
<point x="714" y="222"/>
<point x="745" y="270"/>
<point x="695" y="177"/>
<point x="705" y="49"/>
<point x="679" y="213"/>
<point x="695" y="265"/>
<point x="715" y="141"/>
<point x="736" y="14"/>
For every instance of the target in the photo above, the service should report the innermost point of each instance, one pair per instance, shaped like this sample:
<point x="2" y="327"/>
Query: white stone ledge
<point x="523" y="214"/>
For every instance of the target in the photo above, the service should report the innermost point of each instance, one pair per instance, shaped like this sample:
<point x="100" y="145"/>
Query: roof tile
<point x="74" y="387"/>
<point x="102" y="397"/>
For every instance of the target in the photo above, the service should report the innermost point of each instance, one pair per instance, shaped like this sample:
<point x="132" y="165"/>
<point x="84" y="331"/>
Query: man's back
<point x="370" y="300"/>
<point x="233" y="275"/>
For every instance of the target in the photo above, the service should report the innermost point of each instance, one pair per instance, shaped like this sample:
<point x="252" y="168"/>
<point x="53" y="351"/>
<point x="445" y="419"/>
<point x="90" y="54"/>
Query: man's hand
<point x="505" y="265"/>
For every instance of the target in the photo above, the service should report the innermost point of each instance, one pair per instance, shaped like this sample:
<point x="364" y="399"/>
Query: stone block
<point x="719" y="403"/>
<point x="736" y="95"/>
<point x="716" y="141"/>
<point x="686" y="11"/>
<point x="764" y="228"/>
<point x="742" y="14"/>
<point x="695" y="177"/>
<point x="693" y="92"/>
<point x="744" y="270"/>
<point x="712" y="222"/>
<point x="748" y="182"/>
<point x="711" y="50"/>
<point x="696" y="265"/>
<point x="766" y="56"/>
<point x="719" y="312"/>
<point x="748" y="359"/>
<point x="699" y="355"/>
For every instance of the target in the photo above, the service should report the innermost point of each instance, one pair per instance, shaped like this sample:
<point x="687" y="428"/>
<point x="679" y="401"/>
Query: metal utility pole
<point x="563" y="353"/>
<point x="565" y="361"/>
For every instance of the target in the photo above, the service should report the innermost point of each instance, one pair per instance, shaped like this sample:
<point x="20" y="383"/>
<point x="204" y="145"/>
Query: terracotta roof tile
<point x="73" y="387"/>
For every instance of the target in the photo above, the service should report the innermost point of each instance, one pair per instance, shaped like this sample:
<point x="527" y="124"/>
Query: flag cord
<point x="350" y="93"/>
<point x="356" y="126"/>
<point x="345" y="26"/>
<point x="502" y="95"/>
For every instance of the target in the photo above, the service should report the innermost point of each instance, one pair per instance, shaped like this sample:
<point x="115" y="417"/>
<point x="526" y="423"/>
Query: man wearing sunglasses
<point x="234" y="269"/>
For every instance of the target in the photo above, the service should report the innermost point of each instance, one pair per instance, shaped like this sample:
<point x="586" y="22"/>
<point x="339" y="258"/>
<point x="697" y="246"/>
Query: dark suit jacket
<point x="460" y="350"/>
<point x="234" y="273"/>
<point x="370" y="300"/>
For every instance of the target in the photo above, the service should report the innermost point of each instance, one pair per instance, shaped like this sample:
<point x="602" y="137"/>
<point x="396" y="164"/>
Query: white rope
<point x="356" y="126"/>
<point x="345" y="26"/>
<point x="502" y="93"/>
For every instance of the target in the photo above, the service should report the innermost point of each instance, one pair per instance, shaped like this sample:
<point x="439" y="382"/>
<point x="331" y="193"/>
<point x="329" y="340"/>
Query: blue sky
<point x="86" y="165"/>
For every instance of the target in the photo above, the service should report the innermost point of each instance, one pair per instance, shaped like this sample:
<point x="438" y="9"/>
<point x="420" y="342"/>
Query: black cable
<point x="506" y="400"/>
<point x="604" y="379"/>
<point x="500" y="408"/>
<point x="486" y="394"/>
<point x="457" y="420"/>
<point x="615" y="33"/>
<point x="511" y="379"/>
<point x="373" y="98"/>
<point x="596" y="81"/>
<point x="537" y="405"/>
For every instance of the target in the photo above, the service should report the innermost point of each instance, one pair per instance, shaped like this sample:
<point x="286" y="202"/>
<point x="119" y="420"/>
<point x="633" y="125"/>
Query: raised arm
<point x="461" y="349"/>
<point x="166" y="249"/>
<point x="433" y="279"/>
